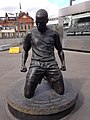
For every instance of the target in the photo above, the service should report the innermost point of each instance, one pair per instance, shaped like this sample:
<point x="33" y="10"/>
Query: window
<point x="21" y="27"/>
<point x="25" y="27"/>
<point x="29" y="26"/>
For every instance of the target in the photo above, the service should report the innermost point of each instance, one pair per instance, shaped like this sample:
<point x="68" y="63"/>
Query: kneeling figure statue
<point x="42" y="39"/>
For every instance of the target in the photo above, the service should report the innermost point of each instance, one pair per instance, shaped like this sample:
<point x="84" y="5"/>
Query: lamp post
<point x="17" y="24"/>
<point x="71" y="2"/>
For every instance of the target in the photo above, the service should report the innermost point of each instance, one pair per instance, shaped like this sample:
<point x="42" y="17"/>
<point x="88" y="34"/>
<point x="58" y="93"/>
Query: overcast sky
<point x="31" y="6"/>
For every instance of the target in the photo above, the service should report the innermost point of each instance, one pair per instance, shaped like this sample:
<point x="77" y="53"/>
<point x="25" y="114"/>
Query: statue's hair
<point x="42" y="13"/>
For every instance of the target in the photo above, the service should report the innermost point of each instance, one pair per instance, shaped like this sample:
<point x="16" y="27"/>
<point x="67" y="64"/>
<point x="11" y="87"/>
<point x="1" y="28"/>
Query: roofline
<point x="75" y="9"/>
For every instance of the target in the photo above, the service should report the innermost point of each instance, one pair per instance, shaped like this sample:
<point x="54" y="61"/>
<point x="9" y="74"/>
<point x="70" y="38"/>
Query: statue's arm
<point x="61" y="55"/>
<point x="26" y="48"/>
<point x="62" y="58"/>
<point x="24" y="59"/>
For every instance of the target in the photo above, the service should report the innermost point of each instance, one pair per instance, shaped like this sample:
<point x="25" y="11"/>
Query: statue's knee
<point x="58" y="87"/>
<point x="60" y="91"/>
<point x="29" y="89"/>
<point x="28" y="94"/>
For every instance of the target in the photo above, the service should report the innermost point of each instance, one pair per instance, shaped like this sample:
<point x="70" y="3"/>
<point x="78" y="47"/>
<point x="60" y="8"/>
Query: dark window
<point x="29" y="26"/>
<point x="21" y="27"/>
<point x="25" y="26"/>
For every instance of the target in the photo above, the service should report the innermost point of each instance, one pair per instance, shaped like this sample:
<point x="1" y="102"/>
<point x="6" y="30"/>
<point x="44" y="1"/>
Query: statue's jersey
<point x="42" y="44"/>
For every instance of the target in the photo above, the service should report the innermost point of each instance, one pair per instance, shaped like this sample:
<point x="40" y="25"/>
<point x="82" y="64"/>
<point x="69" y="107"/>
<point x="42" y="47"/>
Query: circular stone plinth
<point x="45" y="102"/>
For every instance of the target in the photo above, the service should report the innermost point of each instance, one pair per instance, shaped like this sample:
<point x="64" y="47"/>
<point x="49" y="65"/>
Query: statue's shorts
<point x="38" y="70"/>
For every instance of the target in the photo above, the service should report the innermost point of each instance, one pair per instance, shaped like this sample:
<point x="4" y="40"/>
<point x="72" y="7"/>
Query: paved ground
<point x="78" y="73"/>
<point x="10" y="41"/>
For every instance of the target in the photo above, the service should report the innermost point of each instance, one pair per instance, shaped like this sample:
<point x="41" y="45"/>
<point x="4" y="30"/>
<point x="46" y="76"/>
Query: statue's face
<point x="41" y="26"/>
<point x="41" y="20"/>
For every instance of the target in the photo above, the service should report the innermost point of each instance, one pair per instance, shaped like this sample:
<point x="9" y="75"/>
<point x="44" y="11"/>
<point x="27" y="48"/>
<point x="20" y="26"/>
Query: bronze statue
<point x="42" y="40"/>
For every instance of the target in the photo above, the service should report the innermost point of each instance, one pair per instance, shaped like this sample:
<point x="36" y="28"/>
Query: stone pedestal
<point x="46" y="104"/>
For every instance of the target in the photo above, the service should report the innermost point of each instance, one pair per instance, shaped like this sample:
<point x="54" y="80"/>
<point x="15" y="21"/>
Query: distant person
<point x="42" y="40"/>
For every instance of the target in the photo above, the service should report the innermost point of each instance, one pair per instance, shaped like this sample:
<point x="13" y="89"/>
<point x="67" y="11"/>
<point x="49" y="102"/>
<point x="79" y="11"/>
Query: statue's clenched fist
<point x="23" y="68"/>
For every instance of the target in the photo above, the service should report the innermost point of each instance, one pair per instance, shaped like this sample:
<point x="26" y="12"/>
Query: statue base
<point x="46" y="104"/>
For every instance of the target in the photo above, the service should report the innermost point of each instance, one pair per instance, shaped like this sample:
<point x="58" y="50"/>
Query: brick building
<point x="15" y="26"/>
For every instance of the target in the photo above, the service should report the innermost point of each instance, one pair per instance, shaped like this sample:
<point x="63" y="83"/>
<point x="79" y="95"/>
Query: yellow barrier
<point x="14" y="50"/>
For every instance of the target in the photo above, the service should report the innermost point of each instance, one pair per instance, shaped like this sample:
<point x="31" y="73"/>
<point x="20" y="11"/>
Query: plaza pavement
<point x="78" y="73"/>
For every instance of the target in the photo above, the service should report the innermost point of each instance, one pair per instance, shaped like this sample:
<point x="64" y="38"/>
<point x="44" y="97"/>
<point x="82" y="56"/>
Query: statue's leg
<point x="33" y="78"/>
<point x="55" y="78"/>
<point x="29" y="89"/>
<point x="58" y="86"/>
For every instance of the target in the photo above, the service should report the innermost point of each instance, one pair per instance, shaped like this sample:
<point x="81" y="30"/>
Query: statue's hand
<point x="63" y="67"/>
<point x="23" y="68"/>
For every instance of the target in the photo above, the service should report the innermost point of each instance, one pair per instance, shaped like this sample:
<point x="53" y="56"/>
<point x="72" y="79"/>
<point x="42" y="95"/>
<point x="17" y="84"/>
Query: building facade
<point x="15" y="26"/>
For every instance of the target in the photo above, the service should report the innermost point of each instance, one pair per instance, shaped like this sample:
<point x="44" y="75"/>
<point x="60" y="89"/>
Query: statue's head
<point x="41" y="19"/>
